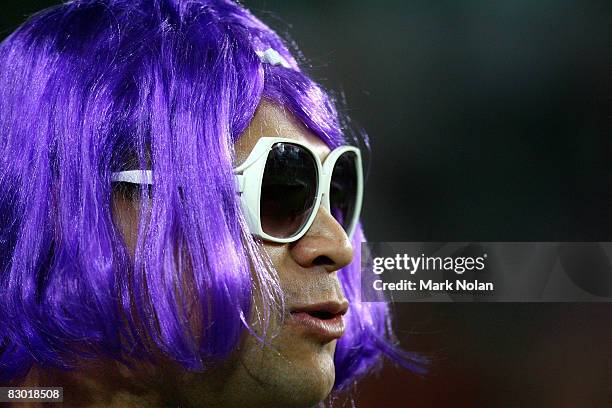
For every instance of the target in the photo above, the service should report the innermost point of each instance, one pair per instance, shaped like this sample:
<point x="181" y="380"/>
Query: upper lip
<point x="332" y="307"/>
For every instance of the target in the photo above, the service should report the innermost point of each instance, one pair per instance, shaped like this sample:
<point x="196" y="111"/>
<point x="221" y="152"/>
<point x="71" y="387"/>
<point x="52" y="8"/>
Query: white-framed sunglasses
<point x="282" y="184"/>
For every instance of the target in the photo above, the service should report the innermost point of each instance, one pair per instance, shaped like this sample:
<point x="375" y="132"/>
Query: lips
<point x="323" y="321"/>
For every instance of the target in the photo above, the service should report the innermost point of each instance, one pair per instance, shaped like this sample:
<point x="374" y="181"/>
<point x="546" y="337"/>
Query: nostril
<point x="322" y="260"/>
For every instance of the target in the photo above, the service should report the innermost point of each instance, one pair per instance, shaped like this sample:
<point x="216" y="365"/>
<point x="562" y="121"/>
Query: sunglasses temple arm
<point x="239" y="182"/>
<point x="133" y="176"/>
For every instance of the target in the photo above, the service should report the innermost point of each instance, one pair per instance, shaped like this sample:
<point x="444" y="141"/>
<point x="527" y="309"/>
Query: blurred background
<point x="488" y="121"/>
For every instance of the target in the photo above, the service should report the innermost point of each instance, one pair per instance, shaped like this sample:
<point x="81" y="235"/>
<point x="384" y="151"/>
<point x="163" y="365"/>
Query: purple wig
<point x="96" y="86"/>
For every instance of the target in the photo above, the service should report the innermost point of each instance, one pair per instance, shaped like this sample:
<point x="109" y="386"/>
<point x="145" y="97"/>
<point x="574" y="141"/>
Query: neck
<point x="111" y="384"/>
<point x="106" y="385"/>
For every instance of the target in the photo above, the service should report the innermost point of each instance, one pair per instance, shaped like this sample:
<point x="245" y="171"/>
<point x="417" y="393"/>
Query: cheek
<point x="277" y="253"/>
<point x="291" y="283"/>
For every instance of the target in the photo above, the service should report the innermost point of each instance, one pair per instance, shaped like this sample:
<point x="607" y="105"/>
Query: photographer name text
<point x="433" y="286"/>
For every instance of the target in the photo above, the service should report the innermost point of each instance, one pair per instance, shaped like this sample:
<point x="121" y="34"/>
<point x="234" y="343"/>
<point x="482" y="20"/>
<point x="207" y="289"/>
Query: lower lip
<point x="326" y="330"/>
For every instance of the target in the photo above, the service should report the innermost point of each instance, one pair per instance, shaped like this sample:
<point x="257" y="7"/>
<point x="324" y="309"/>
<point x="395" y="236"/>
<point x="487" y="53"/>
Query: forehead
<point x="271" y="120"/>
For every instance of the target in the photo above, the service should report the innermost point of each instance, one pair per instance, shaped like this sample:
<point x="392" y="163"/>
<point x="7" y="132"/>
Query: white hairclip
<point x="272" y="57"/>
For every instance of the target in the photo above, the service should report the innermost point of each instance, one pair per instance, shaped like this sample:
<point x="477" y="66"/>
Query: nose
<point x="324" y="244"/>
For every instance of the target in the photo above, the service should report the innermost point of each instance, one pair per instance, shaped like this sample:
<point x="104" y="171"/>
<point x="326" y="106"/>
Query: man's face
<point x="299" y="367"/>
<point x="296" y="367"/>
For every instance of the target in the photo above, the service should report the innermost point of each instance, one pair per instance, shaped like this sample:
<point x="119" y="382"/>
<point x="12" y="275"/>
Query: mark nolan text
<point x="430" y="285"/>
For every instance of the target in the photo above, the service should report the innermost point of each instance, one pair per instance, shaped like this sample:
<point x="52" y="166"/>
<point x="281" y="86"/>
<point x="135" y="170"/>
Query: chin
<point x="310" y="378"/>
<point x="294" y="372"/>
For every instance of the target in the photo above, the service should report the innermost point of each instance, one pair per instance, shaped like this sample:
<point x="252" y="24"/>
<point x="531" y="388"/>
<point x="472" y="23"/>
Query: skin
<point x="296" y="370"/>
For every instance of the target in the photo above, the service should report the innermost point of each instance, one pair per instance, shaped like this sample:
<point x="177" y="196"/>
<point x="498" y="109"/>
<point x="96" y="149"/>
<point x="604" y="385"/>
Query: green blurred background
<point x="488" y="121"/>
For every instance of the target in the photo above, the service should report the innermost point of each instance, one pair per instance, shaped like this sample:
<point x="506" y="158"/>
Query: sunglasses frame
<point x="249" y="177"/>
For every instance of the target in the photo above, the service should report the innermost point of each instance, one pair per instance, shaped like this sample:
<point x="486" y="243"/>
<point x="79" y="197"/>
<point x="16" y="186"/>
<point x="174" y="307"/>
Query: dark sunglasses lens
<point x="288" y="190"/>
<point x="343" y="189"/>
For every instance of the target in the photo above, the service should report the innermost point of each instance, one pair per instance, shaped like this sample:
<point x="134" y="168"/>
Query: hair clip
<point x="272" y="57"/>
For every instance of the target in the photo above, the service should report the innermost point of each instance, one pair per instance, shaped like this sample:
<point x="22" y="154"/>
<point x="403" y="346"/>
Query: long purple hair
<point x="95" y="86"/>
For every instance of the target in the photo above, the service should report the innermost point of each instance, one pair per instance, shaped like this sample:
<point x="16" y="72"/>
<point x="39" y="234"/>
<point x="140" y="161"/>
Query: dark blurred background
<point x="488" y="121"/>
